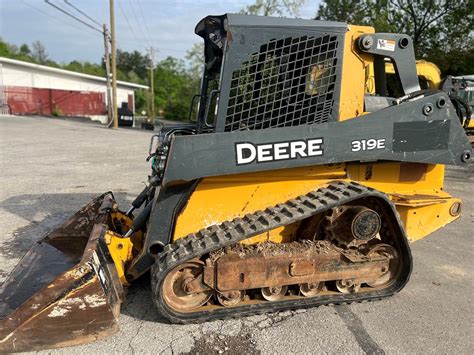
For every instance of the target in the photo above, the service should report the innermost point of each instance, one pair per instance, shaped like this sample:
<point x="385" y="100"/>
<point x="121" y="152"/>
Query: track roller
<point x="310" y="290"/>
<point x="274" y="293"/>
<point x="230" y="298"/>
<point x="347" y="286"/>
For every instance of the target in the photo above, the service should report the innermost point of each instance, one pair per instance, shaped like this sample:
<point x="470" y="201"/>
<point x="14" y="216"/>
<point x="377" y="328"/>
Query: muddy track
<point x="231" y="232"/>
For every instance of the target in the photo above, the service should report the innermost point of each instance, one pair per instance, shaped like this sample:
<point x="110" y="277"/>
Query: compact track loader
<point x="291" y="188"/>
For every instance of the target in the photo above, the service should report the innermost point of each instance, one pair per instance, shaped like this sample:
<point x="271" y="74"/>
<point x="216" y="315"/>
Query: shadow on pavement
<point x="138" y="301"/>
<point x="28" y="206"/>
<point x="44" y="212"/>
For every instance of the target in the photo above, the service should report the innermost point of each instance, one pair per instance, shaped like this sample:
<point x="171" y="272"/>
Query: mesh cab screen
<point x="289" y="82"/>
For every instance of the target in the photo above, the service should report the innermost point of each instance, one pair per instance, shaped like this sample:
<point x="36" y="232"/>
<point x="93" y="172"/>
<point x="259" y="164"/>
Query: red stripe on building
<point x="25" y="100"/>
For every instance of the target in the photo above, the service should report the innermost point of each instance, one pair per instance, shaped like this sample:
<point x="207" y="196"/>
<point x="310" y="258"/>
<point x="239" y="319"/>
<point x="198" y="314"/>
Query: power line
<point x="82" y="12"/>
<point x="51" y="16"/>
<point x="74" y="17"/>
<point x="143" y="17"/>
<point x="78" y="19"/>
<point x="145" y="37"/>
<point x="124" y="15"/>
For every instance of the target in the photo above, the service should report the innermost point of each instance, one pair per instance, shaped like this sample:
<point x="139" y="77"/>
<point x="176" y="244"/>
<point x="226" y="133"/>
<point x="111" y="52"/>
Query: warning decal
<point x="386" y="45"/>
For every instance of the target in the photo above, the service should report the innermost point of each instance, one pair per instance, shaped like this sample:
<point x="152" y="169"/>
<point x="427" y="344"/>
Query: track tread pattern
<point x="230" y="232"/>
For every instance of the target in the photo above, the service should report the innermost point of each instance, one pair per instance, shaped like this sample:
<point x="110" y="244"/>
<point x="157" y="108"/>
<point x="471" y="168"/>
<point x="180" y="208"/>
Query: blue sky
<point x="166" y="25"/>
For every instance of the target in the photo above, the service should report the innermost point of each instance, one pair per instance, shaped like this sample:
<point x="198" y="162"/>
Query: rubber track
<point x="231" y="232"/>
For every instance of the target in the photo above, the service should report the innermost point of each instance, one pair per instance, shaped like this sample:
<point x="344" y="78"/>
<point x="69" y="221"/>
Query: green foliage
<point x="11" y="51"/>
<point x="25" y="50"/>
<point x="141" y="100"/>
<point x="85" y="68"/>
<point x="174" y="89"/>
<point x="442" y="30"/>
<point x="274" y="7"/>
<point x="133" y="63"/>
<point x="4" y="50"/>
<point x="39" y="53"/>
<point x="195" y="58"/>
<point x="351" y="11"/>
<point x="457" y="61"/>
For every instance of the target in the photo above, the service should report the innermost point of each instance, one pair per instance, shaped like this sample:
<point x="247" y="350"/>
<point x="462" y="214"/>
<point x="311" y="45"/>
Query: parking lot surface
<point x="51" y="167"/>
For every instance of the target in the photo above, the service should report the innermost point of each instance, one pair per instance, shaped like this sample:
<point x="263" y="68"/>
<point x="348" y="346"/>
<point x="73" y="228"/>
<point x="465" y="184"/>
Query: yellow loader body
<point x="292" y="188"/>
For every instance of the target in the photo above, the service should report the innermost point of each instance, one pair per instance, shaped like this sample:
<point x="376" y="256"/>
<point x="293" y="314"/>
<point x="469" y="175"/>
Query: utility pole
<point x="114" y="63"/>
<point x="152" y="88"/>
<point x="110" y="116"/>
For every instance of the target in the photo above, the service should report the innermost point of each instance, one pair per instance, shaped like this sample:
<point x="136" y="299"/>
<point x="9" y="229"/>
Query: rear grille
<point x="289" y="82"/>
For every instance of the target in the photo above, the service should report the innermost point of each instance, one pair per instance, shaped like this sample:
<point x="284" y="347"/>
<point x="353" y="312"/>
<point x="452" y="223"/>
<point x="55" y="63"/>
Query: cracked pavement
<point x="52" y="167"/>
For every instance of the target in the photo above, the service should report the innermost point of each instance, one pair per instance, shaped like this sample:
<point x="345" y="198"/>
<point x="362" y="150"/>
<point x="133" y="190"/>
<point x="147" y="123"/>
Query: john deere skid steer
<point x="291" y="188"/>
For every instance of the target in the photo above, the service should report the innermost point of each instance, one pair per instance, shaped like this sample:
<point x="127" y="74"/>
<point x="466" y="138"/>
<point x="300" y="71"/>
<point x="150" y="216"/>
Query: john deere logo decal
<point x="248" y="153"/>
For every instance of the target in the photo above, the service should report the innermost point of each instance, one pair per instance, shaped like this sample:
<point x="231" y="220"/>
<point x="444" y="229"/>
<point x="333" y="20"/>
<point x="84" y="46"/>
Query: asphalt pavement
<point x="49" y="168"/>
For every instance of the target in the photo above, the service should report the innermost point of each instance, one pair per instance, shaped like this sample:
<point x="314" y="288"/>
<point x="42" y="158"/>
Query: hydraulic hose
<point x="140" y="221"/>
<point x="139" y="200"/>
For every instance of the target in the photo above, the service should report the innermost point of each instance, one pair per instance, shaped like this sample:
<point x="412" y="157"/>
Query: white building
<point x="27" y="88"/>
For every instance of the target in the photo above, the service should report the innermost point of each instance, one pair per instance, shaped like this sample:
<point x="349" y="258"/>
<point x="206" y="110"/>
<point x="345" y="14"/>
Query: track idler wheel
<point x="230" y="298"/>
<point x="274" y="293"/>
<point x="177" y="287"/>
<point x="310" y="290"/>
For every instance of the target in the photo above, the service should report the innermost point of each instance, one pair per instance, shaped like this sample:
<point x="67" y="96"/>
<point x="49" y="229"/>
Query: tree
<point x="272" y="7"/>
<point x="434" y="23"/>
<point x="174" y="88"/>
<point x="358" y="12"/>
<point x="39" y="52"/>
<point x="25" y="50"/>
<point x="9" y="50"/>
<point x="195" y="58"/>
<point x="441" y="29"/>
<point x="4" y="49"/>
<point x="133" y="62"/>
<point x="351" y="11"/>
<point x="75" y="65"/>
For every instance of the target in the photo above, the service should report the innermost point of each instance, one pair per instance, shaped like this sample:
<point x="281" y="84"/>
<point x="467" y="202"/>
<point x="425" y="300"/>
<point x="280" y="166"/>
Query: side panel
<point x="444" y="142"/>
<point x="416" y="191"/>
<point x="400" y="178"/>
<point x="223" y="198"/>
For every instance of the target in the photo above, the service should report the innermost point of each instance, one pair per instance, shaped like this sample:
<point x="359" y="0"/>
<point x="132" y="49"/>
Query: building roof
<point x="68" y="72"/>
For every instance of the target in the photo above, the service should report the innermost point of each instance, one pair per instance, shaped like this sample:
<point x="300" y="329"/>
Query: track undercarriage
<point x="349" y="246"/>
